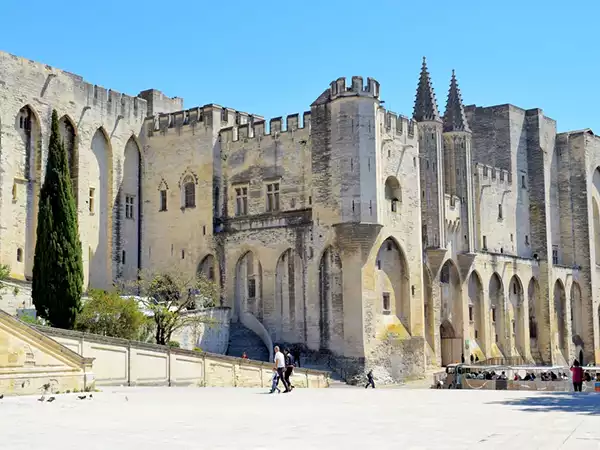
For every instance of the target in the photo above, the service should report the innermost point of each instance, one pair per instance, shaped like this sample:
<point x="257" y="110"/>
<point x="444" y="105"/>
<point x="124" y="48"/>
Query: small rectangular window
<point x="129" y="206"/>
<point x="163" y="200"/>
<point x="272" y="197"/>
<point x="500" y="211"/>
<point x="523" y="185"/>
<point x="554" y="256"/>
<point x="91" y="203"/>
<point x="251" y="288"/>
<point x="241" y="201"/>
<point x="526" y="239"/>
<point x="386" y="302"/>
<point x="493" y="314"/>
<point x="470" y="313"/>
<point x="182" y="254"/>
<point x="123" y="257"/>
<point x="485" y="242"/>
<point x="379" y="264"/>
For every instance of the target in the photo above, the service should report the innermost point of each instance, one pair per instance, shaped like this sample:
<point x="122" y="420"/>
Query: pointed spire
<point x="454" y="117"/>
<point x="425" y="103"/>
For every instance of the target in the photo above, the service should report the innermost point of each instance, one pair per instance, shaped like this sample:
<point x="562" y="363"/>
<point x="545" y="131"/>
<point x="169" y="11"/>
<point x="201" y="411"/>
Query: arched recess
<point x="596" y="212"/>
<point x="538" y="322"/>
<point x="68" y="134"/>
<point x="497" y="312"/>
<point x="331" y="302"/>
<point x="393" y="193"/>
<point x="393" y="281"/>
<point x="429" y="310"/>
<point x="517" y="316"/>
<point x="449" y="337"/>
<point x="29" y="129"/>
<point x="288" y="292"/>
<point x="248" y="285"/>
<point x="99" y="209"/>
<point x="451" y="304"/>
<point x="208" y="268"/>
<point x="477" y="313"/>
<point x="560" y="317"/>
<point x="130" y="210"/>
<point x="577" y="320"/>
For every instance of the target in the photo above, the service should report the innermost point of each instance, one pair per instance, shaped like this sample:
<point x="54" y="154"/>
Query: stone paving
<point x="353" y="418"/>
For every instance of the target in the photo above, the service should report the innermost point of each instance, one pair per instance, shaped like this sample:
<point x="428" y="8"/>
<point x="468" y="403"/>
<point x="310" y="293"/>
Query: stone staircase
<point x="241" y="340"/>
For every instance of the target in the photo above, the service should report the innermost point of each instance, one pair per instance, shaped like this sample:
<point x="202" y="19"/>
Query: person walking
<point x="289" y="367"/>
<point x="279" y="367"/>
<point x="370" y="380"/>
<point x="577" y="372"/>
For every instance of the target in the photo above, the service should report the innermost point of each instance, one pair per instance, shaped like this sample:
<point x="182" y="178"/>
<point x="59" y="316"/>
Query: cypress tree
<point x="57" y="265"/>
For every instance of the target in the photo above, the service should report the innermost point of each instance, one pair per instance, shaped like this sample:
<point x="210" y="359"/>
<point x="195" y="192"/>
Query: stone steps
<point x="241" y="340"/>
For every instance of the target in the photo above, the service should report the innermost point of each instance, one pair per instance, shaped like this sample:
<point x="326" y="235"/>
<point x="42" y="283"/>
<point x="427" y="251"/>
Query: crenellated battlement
<point x="399" y="124"/>
<point x="257" y="129"/>
<point x="492" y="174"/>
<point x="210" y="115"/>
<point x="339" y="88"/>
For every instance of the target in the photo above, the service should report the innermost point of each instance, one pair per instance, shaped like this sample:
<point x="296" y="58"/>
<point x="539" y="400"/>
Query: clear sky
<point x="274" y="58"/>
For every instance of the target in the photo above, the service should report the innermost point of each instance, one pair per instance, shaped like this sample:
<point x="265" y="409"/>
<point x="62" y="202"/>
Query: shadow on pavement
<point x="580" y="403"/>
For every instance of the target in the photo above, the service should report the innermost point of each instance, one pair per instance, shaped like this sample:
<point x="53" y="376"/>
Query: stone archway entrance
<point x="451" y="345"/>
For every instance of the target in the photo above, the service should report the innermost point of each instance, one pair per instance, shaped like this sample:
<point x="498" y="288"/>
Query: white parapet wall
<point x="130" y="363"/>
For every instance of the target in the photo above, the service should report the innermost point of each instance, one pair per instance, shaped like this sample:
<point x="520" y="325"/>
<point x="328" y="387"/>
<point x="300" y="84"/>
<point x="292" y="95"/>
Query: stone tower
<point x="458" y="169"/>
<point x="432" y="165"/>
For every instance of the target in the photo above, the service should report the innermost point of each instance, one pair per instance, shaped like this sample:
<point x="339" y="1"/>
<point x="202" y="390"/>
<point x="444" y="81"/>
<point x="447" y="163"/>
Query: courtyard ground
<point x="348" y="418"/>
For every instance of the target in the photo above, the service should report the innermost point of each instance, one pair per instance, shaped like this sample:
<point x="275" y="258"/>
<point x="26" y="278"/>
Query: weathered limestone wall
<point x="210" y="332"/>
<point x="122" y="362"/>
<point x="103" y="122"/>
<point x="29" y="360"/>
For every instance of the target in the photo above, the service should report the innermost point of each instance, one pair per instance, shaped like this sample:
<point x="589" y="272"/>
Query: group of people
<point x="283" y="369"/>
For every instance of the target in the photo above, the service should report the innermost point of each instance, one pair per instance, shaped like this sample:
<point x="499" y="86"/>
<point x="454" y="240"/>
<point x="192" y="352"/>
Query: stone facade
<point x="364" y="235"/>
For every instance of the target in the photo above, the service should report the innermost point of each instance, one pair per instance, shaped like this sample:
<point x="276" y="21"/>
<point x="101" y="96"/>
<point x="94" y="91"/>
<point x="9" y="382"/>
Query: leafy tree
<point x="57" y="266"/>
<point x="170" y="297"/>
<point x="108" y="314"/>
<point x="4" y="274"/>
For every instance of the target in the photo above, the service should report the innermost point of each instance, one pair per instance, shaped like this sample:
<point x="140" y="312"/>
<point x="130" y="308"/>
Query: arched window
<point x="189" y="192"/>
<point x="393" y="193"/>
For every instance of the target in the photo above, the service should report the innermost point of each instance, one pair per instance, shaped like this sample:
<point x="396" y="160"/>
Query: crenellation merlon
<point x="399" y="124"/>
<point x="339" y="88"/>
<point x="227" y="117"/>
<point x="257" y="129"/>
<point x="492" y="174"/>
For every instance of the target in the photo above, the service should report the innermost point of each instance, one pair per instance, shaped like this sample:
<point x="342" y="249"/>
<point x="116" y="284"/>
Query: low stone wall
<point x="550" y="386"/>
<point x="210" y="332"/>
<point x="130" y="363"/>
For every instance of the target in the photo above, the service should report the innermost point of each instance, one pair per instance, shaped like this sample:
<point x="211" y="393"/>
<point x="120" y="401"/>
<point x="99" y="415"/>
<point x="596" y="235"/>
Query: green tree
<point x="171" y="298"/>
<point x="109" y="314"/>
<point x="57" y="265"/>
<point x="4" y="274"/>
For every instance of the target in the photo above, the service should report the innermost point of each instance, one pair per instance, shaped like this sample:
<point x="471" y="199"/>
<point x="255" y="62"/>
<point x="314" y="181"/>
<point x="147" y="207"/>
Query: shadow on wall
<point x="578" y="403"/>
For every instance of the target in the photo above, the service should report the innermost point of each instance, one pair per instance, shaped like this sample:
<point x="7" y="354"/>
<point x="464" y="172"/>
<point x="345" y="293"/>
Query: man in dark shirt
<point x="289" y="367"/>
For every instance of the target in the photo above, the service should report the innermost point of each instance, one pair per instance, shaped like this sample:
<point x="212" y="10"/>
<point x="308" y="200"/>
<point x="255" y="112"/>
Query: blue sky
<point x="275" y="57"/>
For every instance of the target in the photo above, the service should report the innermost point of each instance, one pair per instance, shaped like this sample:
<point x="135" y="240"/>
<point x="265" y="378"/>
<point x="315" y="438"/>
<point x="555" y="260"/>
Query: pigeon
<point x="81" y="397"/>
<point x="126" y="399"/>
<point x="51" y="399"/>
<point x="91" y="396"/>
<point x="41" y="399"/>
<point x="1" y="396"/>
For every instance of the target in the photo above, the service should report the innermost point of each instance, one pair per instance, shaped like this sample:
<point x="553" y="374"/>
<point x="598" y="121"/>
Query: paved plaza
<point x="337" y="418"/>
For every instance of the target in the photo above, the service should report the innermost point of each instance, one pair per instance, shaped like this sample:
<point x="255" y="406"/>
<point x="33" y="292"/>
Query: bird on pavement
<point x="51" y="399"/>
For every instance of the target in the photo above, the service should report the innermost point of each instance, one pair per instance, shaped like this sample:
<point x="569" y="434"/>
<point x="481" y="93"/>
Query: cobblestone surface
<point x="212" y="418"/>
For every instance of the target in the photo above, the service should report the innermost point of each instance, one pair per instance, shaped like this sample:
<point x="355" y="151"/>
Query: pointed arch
<point x="428" y="307"/>
<point x="248" y="285"/>
<point x="331" y="305"/>
<point x="477" y="314"/>
<point x="393" y="193"/>
<point x="392" y="278"/>
<point x="129" y="201"/>
<point x="28" y="127"/>
<point x="68" y="133"/>
<point x="518" y="315"/>
<point x="288" y="292"/>
<point x="577" y="316"/>
<point x="99" y="204"/>
<point x="560" y="317"/>
<point x="208" y="267"/>
<point x="497" y="311"/>
<point x="451" y="312"/>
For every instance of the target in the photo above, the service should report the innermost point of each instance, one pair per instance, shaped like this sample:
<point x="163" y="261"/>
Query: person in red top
<point x="577" y="372"/>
